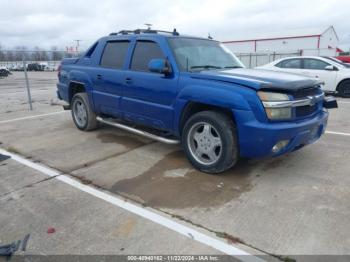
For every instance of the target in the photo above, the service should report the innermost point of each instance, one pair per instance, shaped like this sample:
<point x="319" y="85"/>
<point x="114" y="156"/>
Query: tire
<point x="84" y="118"/>
<point x="201" y="137"/>
<point x="344" y="89"/>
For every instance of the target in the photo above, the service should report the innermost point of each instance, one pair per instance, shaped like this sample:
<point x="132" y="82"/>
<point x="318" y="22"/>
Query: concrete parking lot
<point x="297" y="204"/>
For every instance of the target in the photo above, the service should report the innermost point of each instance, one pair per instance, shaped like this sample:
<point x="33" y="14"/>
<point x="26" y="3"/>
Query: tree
<point x="2" y="54"/>
<point x="35" y="55"/>
<point x="10" y="56"/>
<point x="56" y="55"/>
<point x="21" y="53"/>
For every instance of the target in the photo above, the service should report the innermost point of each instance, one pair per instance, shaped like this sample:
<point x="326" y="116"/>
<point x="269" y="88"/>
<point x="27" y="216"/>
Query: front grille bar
<point x="308" y="101"/>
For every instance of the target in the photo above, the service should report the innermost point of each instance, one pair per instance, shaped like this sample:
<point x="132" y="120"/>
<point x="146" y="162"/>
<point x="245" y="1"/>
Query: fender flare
<point x="225" y="97"/>
<point x="76" y="76"/>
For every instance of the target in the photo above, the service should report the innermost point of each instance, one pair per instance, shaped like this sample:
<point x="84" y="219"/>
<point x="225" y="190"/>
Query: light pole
<point x="77" y="45"/>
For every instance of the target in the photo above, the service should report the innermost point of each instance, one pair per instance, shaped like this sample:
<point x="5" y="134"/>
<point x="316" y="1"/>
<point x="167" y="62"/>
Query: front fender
<point x="232" y="97"/>
<point x="214" y="95"/>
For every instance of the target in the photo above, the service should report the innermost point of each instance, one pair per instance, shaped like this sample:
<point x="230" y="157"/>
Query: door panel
<point x="316" y="68"/>
<point x="109" y="78"/>
<point x="108" y="91"/>
<point x="148" y="97"/>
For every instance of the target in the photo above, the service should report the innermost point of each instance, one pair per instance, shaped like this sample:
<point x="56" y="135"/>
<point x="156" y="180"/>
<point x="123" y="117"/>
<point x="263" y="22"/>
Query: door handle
<point x="128" y="80"/>
<point x="99" y="76"/>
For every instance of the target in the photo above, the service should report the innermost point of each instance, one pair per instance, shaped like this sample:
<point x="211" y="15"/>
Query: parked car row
<point x="334" y="73"/>
<point x="4" y="72"/>
<point x="33" y="67"/>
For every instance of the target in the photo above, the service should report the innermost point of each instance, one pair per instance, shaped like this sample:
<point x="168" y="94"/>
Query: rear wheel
<point x="84" y="118"/>
<point x="344" y="88"/>
<point x="210" y="142"/>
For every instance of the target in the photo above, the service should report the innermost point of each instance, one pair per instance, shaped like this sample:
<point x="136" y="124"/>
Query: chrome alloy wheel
<point x="205" y="143"/>
<point x="79" y="112"/>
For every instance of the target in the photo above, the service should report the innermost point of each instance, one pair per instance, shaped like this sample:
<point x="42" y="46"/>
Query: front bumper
<point x="256" y="139"/>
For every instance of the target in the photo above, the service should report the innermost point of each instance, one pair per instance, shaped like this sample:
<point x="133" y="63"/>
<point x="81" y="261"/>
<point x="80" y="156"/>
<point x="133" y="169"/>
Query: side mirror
<point x="160" y="66"/>
<point x="331" y="68"/>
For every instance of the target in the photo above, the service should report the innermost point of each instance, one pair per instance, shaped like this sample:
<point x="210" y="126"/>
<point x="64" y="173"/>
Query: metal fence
<point x="251" y="60"/>
<point x="31" y="60"/>
<point x="43" y="60"/>
<point x="36" y="60"/>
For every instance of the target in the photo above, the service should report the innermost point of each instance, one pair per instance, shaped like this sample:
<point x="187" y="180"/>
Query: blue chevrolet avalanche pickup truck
<point x="193" y="91"/>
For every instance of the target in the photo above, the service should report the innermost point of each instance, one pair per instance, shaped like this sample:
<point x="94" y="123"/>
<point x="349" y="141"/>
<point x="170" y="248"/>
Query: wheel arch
<point x="342" y="81"/>
<point x="74" y="88"/>
<point x="193" y="107"/>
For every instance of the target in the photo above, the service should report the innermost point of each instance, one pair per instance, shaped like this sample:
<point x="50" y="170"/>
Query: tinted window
<point x="290" y="63"/>
<point x="143" y="53"/>
<point x="114" y="54"/>
<point x="314" y="64"/>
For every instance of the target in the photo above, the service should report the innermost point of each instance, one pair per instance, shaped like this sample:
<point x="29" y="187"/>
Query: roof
<point x="151" y="35"/>
<point x="285" y="34"/>
<point x="126" y="34"/>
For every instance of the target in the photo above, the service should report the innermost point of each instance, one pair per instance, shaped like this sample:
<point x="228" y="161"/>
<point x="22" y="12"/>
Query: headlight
<point x="270" y="96"/>
<point x="279" y="113"/>
<point x="275" y="112"/>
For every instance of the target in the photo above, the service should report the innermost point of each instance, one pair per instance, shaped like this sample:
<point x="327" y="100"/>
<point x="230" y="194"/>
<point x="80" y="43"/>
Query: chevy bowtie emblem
<point x="313" y="100"/>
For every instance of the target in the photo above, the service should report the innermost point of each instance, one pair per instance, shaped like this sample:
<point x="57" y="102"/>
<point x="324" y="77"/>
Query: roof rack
<point x="144" y="31"/>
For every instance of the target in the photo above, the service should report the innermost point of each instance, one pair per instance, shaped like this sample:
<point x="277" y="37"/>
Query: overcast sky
<point x="47" y="23"/>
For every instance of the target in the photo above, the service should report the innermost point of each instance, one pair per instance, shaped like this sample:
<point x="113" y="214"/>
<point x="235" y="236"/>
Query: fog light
<point x="280" y="145"/>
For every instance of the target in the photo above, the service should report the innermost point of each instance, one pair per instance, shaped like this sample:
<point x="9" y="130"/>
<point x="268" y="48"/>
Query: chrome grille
<point x="303" y="93"/>
<point x="306" y="110"/>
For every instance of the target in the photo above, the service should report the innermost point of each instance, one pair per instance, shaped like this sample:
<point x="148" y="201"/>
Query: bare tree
<point x="21" y="52"/>
<point x="44" y="56"/>
<point x="10" y="56"/>
<point x="2" y="54"/>
<point x="56" y="55"/>
<point x="35" y="55"/>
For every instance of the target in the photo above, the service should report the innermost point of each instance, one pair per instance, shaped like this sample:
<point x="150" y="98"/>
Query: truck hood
<point x="260" y="79"/>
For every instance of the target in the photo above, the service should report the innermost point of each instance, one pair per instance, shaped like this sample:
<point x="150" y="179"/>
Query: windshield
<point x="200" y="54"/>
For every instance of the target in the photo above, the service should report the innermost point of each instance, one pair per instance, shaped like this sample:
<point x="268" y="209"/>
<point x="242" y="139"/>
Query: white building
<point x="303" y="41"/>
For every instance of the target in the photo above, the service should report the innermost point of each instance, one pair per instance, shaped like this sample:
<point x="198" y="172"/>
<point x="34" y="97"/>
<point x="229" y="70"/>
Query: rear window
<point x="114" y="54"/>
<point x="143" y="53"/>
<point x="315" y="64"/>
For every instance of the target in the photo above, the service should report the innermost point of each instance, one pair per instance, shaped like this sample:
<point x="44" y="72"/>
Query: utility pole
<point x="27" y="82"/>
<point x="77" y="45"/>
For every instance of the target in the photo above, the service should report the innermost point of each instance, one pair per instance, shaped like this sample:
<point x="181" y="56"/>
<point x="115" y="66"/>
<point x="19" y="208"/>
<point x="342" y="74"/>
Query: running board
<point x="138" y="131"/>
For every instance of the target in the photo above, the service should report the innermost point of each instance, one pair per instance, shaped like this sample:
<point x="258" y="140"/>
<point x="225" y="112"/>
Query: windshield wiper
<point x="205" y="67"/>
<point x="233" y="67"/>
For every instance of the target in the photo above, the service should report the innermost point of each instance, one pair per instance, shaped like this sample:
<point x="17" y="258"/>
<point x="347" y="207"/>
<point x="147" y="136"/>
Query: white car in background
<point x="335" y="75"/>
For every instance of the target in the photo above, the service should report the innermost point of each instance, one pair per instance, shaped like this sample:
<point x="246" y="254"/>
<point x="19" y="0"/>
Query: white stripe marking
<point x="337" y="133"/>
<point x="343" y="102"/>
<point x="24" y="92"/>
<point x="145" y="213"/>
<point x="30" y="117"/>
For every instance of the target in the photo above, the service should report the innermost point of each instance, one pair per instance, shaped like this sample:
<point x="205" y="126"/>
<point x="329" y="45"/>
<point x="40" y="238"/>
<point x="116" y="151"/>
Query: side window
<point x="143" y="53"/>
<point x="290" y="63"/>
<point x="314" y="64"/>
<point x="114" y="54"/>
